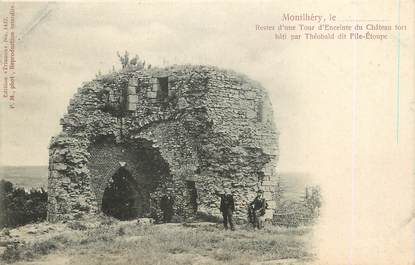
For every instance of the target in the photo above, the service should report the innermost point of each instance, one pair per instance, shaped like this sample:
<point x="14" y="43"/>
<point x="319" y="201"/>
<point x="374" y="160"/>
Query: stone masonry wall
<point x="210" y="126"/>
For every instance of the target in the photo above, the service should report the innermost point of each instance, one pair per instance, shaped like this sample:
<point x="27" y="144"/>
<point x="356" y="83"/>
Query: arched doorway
<point x="123" y="198"/>
<point x="125" y="175"/>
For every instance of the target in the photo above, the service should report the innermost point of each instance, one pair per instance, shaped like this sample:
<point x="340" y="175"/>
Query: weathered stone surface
<point x="212" y="128"/>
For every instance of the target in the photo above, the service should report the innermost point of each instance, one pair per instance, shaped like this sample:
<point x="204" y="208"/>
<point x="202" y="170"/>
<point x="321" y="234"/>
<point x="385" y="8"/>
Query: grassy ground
<point x="129" y="243"/>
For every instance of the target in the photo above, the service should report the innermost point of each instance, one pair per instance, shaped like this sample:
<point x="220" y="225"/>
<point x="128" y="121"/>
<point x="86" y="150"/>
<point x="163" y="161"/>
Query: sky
<point x="336" y="104"/>
<point x="62" y="45"/>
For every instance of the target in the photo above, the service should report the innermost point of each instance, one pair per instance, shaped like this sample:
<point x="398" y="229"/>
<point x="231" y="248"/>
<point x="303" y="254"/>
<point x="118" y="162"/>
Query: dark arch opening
<point x="127" y="195"/>
<point x="122" y="198"/>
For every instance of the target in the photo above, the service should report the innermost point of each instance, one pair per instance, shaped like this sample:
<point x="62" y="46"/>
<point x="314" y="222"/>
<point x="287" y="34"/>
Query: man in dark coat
<point x="166" y="206"/>
<point x="257" y="209"/>
<point x="227" y="207"/>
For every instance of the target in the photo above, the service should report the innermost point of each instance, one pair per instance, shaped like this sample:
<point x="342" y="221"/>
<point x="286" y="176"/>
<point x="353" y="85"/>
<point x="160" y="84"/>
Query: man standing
<point x="227" y="207"/>
<point x="166" y="206"/>
<point x="257" y="209"/>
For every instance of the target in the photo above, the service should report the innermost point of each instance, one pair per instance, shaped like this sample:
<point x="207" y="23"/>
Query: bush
<point x="12" y="253"/>
<point x="18" y="207"/>
<point x="292" y="214"/>
<point x="18" y="252"/>
<point x="44" y="247"/>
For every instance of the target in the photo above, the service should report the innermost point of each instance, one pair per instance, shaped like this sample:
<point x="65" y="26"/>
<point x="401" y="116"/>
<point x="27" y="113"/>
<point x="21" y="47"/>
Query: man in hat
<point x="257" y="209"/>
<point x="227" y="207"/>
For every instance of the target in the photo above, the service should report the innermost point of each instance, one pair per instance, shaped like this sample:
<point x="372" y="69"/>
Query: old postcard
<point x="207" y="132"/>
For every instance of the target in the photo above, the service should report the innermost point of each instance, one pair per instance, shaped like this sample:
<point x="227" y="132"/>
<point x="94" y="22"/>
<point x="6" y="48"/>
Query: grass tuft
<point x="128" y="243"/>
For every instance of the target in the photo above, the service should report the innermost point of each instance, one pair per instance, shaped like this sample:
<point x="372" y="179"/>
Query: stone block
<point x="66" y="180"/>
<point x="132" y="90"/>
<point x="155" y="87"/>
<point x="53" y="175"/>
<point x="60" y="166"/>
<point x="133" y="99"/>
<point x="152" y="95"/>
<point x="133" y="82"/>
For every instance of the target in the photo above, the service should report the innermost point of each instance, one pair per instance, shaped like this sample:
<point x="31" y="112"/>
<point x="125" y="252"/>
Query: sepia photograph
<point x="207" y="132"/>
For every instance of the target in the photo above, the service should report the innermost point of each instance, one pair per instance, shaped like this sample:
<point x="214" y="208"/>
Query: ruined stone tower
<point x="140" y="143"/>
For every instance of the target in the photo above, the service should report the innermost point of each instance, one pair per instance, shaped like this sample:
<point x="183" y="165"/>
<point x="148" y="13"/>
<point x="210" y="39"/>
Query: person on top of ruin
<point x="227" y="207"/>
<point x="257" y="209"/>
